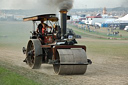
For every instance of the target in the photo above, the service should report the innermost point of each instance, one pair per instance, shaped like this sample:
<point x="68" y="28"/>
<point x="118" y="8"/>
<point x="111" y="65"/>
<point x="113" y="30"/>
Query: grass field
<point x="108" y="48"/>
<point x="11" y="78"/>
<point x="99" y="33"/>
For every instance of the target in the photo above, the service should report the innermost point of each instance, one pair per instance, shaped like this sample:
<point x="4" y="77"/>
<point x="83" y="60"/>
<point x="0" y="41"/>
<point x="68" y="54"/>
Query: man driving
<point x="41" y="29"/>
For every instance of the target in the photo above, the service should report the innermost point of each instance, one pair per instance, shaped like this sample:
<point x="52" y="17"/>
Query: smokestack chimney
<point x="63" y="16"/>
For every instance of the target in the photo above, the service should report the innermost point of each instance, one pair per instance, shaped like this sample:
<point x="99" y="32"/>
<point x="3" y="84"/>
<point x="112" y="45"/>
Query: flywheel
<point x="33" y="54"/>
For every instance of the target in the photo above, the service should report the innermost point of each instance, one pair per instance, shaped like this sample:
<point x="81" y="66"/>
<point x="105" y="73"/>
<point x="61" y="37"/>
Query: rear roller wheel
<point x="71" y="61"/>
<point x="33" y="54"/>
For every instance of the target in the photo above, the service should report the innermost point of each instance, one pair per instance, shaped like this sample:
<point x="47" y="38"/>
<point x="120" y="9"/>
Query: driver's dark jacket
<point x="40" y="26"/>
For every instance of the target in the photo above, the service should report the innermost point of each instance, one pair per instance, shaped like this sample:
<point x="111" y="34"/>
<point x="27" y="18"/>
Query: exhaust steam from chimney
<point x="38" y="6"/>
<point x="53" y="6"/>
<point x="64" y="4"/>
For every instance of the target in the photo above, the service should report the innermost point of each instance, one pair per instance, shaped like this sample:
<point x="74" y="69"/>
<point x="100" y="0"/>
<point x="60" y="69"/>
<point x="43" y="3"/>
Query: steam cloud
<point x="64" y="4"/>
<point x="32" y="4"/>
<point x="54" y="5"/>
<point x="40" y="5"/>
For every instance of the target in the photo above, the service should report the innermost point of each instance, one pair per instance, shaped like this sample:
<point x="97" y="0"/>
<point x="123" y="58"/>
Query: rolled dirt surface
<point x="105" y="70"/>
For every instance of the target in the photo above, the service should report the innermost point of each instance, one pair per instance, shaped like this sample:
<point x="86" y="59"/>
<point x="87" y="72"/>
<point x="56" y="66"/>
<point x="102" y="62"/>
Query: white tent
<point x="122" y="19"/>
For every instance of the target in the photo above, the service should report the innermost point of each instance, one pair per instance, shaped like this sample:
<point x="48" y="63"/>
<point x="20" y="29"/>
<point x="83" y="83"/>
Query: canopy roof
<point x="122" y="19"/>
<point x="45" y="17"/>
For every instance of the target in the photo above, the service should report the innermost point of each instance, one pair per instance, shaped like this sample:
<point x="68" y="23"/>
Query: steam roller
<point x="58" y="46"/>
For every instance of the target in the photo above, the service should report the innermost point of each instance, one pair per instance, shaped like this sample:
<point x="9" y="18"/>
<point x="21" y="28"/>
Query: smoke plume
<point x="44" y="6"/>
<point x="37" y="5"/>
<point x="64" y="4"/>
<point x="54" y="6"/>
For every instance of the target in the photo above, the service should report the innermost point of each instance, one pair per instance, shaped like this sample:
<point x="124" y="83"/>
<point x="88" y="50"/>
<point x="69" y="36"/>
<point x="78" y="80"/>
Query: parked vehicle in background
<point x="126" y="28"/>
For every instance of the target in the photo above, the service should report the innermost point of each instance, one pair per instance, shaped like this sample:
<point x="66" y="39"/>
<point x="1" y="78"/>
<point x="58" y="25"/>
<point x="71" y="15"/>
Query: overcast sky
<point x="97" y="3"/>
<point x="23" y="4"/>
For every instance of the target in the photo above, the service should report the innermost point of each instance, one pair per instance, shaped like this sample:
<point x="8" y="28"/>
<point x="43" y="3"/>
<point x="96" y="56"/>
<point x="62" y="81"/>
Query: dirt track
<point x="103" y="71"/>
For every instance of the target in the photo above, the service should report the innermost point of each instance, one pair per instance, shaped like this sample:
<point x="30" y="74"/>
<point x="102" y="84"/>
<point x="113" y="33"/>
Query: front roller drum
<point x="72" y="61"/>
